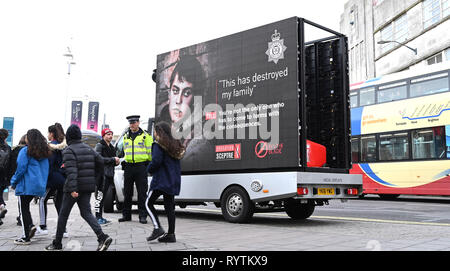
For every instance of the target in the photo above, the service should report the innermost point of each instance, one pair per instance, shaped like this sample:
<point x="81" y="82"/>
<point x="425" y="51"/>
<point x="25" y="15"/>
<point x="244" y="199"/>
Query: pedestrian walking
<point x="137" y="147"/>
<point x="108" y="152"/>
<point x="13" y="166"/>
<point x="82" y="166"/>
<point x="30" y="179"/>
<point x="5" y="152"/>
<point x="166" y="170"/>
<point x="56" y="178"/>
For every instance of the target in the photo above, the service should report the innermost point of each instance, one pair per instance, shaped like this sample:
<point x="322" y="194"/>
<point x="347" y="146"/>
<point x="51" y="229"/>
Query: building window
<point x="387" y="34"/>
<point x="434" y="11"/>
<point x="445" y="8"/>
<point x="395" y="31"/>
<point x="428" y="143"/>
<point x="433" y="84"/>
<point x="447" y="54"/>
<point x="394" y="147"/>
<point x="401" y="29"/>
<point x="435" y="59"/>
<point x="368" y="149"/>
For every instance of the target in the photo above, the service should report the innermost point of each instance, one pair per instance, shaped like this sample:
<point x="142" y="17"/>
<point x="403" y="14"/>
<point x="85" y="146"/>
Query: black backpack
<point x="4" y="158"/>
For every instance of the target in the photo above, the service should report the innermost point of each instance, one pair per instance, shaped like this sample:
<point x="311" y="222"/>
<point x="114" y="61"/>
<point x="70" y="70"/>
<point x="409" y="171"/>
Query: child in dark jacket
<point x="165" y="167"/>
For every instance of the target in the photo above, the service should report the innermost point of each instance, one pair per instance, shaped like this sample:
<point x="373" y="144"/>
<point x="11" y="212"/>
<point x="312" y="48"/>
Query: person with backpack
<point x="166" y="170"/>
<point x="82" y="166"/>
<point x="13" y="166"/>
<point x="30" y="179"/>
<point x="5" y="151"/>
<point x="56" y="178"/>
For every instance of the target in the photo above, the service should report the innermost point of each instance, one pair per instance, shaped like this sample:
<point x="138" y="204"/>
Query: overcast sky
<point x="114" y="44"/>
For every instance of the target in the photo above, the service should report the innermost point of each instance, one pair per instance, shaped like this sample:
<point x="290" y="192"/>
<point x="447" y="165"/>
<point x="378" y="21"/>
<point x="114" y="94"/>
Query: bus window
<point x="428" y="143"/>
<point x="392" y="94"/>
<point x="428" y="87"/>
<point x="394" y="147"/>
<point x="368" y="149"/>
<point x="355" y="150"/>
<point x="354" y="99"/>
<point x="367" y="96"/>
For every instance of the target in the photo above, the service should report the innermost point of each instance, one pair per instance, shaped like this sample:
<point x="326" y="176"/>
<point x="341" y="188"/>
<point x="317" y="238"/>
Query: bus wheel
<point x="296" y="210"/>
<point x="236" y="205"/>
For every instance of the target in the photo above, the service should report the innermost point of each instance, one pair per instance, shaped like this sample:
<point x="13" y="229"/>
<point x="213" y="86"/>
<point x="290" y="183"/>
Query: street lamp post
<point x="70" y="62"/>
<point x="389" y="41"/>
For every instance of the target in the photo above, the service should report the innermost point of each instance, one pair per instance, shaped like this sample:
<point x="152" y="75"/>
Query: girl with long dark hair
<point x="30" y="179"/>
<point x="56" y="179"/>
<point x="165" y="167"/>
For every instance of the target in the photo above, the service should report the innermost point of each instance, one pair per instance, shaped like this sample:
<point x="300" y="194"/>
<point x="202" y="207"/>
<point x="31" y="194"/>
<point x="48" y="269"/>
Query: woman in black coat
<point x="165" y="167"/>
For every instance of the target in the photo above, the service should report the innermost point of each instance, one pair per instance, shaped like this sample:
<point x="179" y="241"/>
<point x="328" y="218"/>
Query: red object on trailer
<point x="316" y="154"/>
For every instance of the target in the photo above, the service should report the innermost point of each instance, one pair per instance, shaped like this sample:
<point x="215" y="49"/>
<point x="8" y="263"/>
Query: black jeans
<point x="2" y="187"/>
<point x="25" y="215"/>
<point x="169" y="207"/>
<point x="83" y="201"/>
<point x="100" y="192"/>
<point x="135" y="174"/>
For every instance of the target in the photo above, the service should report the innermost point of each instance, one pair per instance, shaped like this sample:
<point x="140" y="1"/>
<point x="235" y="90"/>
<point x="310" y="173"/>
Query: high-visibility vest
<point x="139" y="149"/>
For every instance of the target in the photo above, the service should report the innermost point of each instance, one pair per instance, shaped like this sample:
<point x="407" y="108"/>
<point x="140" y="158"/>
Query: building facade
<point x="423" y="25"/>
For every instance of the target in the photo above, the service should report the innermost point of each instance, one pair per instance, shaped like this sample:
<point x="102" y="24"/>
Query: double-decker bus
<point x="401" y="132"/>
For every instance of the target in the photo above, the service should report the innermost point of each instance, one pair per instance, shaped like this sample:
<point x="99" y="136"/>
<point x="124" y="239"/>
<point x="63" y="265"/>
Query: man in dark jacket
<point x="108" y="152"/>
<point x="82" y="166"/>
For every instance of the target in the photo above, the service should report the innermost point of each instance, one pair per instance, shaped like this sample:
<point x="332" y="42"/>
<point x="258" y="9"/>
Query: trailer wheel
<point x="296" y="210"/>
<point x="236" y="205"/>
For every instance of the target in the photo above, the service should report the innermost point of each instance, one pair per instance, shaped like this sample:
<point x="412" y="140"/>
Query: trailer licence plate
<point x="325" y="191"/>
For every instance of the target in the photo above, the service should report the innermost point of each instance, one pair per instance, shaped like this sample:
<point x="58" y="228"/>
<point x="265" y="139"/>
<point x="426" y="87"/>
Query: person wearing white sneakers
<point x="56" y="178"/>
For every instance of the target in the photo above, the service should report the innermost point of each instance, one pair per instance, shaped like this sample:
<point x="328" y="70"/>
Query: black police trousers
<point x="135" y="174"/>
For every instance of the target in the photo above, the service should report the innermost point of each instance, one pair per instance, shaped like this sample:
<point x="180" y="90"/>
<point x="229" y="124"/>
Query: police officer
<point x="137" y="147"/>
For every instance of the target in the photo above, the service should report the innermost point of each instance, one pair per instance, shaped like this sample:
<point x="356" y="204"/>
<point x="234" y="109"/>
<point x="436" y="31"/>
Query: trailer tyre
<point x="236" y="205"/>
<point x="296" y="210"/>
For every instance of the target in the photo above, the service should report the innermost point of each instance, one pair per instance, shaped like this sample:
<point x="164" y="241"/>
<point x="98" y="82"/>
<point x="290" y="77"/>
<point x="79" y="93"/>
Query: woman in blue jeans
<point x="165" y="167"/>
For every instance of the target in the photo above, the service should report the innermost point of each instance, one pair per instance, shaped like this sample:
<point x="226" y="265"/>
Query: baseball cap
<point x="105" y="131"/>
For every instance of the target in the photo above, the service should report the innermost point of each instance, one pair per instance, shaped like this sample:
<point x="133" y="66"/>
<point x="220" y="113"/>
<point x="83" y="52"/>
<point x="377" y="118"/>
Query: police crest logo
<point x="276" y="48"/>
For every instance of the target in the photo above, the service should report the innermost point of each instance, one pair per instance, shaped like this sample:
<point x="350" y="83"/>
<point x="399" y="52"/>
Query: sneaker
<point x="53" y="247"/>
<point x="155" y="234"/>
<point x="41" y="231"/>
<point x="103" y="221"/>
<point x="3" y="211"/>
<point x="22" y="241"/>
<point x="103" y="243"/>
<point x="32" y="232"/>
<point x="168" y="238"/>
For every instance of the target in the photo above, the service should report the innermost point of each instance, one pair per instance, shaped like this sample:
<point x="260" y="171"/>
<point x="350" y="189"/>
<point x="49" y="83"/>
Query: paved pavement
<point x="203" y="229"/>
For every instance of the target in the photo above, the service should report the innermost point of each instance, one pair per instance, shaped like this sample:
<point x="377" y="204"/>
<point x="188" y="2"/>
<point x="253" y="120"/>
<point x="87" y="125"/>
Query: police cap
<point x="133" y="118"/>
